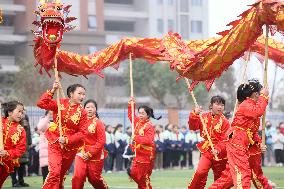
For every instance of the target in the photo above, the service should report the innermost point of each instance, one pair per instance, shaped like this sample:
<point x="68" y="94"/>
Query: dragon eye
<point x="59" y="8"/>
<point x="42" y="10"/>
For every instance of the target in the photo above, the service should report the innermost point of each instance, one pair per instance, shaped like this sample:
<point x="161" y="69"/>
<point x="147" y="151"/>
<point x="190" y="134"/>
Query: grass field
<point x="168" y="179"/>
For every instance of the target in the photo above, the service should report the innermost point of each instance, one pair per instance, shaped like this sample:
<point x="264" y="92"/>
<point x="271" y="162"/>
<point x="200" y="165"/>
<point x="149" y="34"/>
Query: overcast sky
<point x="222" y="12"/>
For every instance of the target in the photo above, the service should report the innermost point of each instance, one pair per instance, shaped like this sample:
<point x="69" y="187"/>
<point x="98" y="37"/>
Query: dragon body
<point x="197" y="60"/>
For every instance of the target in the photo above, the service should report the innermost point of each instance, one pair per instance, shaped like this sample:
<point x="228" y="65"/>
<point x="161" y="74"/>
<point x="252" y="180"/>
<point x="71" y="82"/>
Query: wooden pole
<point x="265" y="81"/>
<point x="131" y="92"/>
<point x="201" y="118"/>
<point x="242" y="81"/>
<point x="1" y="130"/>
<point x="58" y="96"/>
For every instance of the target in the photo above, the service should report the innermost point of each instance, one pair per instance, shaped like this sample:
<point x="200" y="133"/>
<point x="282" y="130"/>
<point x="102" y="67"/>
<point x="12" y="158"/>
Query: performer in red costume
<point x="243" y="134"/>
<point x="62" y="149"/>
<point x="14" y="139"/>
<point x="257" y="176"/>
<point x="217" y="126"/>
<point x="143" y="146"/>
<point x="90" y="161"/>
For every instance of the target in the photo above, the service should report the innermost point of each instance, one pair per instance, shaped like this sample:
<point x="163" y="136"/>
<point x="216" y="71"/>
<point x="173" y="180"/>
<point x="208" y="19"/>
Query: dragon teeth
<point x="53" y="20"/>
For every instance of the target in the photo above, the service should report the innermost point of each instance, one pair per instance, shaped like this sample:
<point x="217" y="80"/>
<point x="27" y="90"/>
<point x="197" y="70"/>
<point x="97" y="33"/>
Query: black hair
<point x="149" y="111"/>
<point x="10" y="107"/>
<point x="184" y="127"/>
<point x="117" y="126"/>
<point x="95" y="103"/>
<point x="106" y="127"/>
<point x="46" y="112"/>
<point x="217" y="99"/>
<point x="72" y="89"/>
<point x="245" y="90"/>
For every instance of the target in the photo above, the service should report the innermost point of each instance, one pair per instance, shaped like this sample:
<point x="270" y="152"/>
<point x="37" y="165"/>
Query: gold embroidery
<point x="61" y="106"/>
<point x="15" y="137"/>
<point x="218" y="126"/>
<point x="52" y="126"/>
<point x="205" y="144"/>
<point x="239" y="178"/>
<point x="257" y="182"/>
<point x="92" y="128"/>
<point x="147" y="182"/>
<point x="141" y="132"/>
<point x="76" y="117"/>
<point x="205" y="120"/>
<point x="250" y="136"/>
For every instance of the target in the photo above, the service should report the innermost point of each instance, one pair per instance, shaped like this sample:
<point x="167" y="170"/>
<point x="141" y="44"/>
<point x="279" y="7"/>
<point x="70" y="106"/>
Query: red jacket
<point x="143" y="139"/>
<point x="95" y="140"/>
<point x="14" y="136"/>
<point x="73" y="121"/>
<point x="217" y="128"/>
<point x="244" y="130"/>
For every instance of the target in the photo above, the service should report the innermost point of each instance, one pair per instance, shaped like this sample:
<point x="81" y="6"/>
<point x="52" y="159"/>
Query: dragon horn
<point x="42" y="1"/>
<point x="57" y="1"/>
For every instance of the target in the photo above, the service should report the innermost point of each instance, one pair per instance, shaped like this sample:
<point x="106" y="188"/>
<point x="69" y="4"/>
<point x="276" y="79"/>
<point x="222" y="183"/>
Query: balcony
<point x="12" y="7"/>
<point x="7" y="64"/>
<point x="11" y="38"/>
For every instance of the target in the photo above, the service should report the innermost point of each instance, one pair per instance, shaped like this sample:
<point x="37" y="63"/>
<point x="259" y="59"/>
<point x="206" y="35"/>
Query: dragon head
<point x="52" y="21"/>
<point x="273" y="13"/>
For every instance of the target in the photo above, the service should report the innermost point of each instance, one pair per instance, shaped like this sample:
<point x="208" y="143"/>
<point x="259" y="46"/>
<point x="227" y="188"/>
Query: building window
<point x="160" y="25"/>
<point x="8" y="20"/>
<point x="196" y="26"/>
<point x="171" y="25"/>
<point x="7" y="50"/>
<point x="196" y="2"/>
<point x="184" y="6"/>
<point x="160" y="2"/>
<point x="119" y="26"/>
<point x="92" y="22"/>
<point x="184" y="26"/>
<point x="92" y="7"/>
<point x="125" y="2"/>
<point x="92" y="49"/>
<point x="170" y="2"/>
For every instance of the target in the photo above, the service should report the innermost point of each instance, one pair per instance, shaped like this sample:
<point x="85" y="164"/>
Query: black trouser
<point x="20" y="171"/>
<point x="44" y="172"/>
<point x="34" y="161"/>
<point x="175" y="158"/>
<point x="278" y="156"/>
<point x="189" y="157"/>
<point x="168" y="158"/>
<point x="119" y="161"/>
<point x="183" y="154"/>
<point x="262" y="160"/>
<point x="108" y="163"/>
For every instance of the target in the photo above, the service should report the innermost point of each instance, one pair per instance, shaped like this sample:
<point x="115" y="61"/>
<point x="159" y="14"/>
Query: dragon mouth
<point x="52" y="30"/>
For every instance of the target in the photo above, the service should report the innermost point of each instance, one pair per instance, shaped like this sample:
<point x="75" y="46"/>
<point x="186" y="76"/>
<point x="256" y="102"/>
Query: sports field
<point x="167" y="179"/>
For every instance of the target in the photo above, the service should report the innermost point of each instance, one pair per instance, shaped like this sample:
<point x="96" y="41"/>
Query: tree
<point x="7" y="81"/>
<point x="225" y="86"/>
<point x="158" y="81"/>
<point x="29" y="84"/>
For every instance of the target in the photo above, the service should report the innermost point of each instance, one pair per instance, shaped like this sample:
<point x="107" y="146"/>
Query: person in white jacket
<point x="278" y="146"/>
